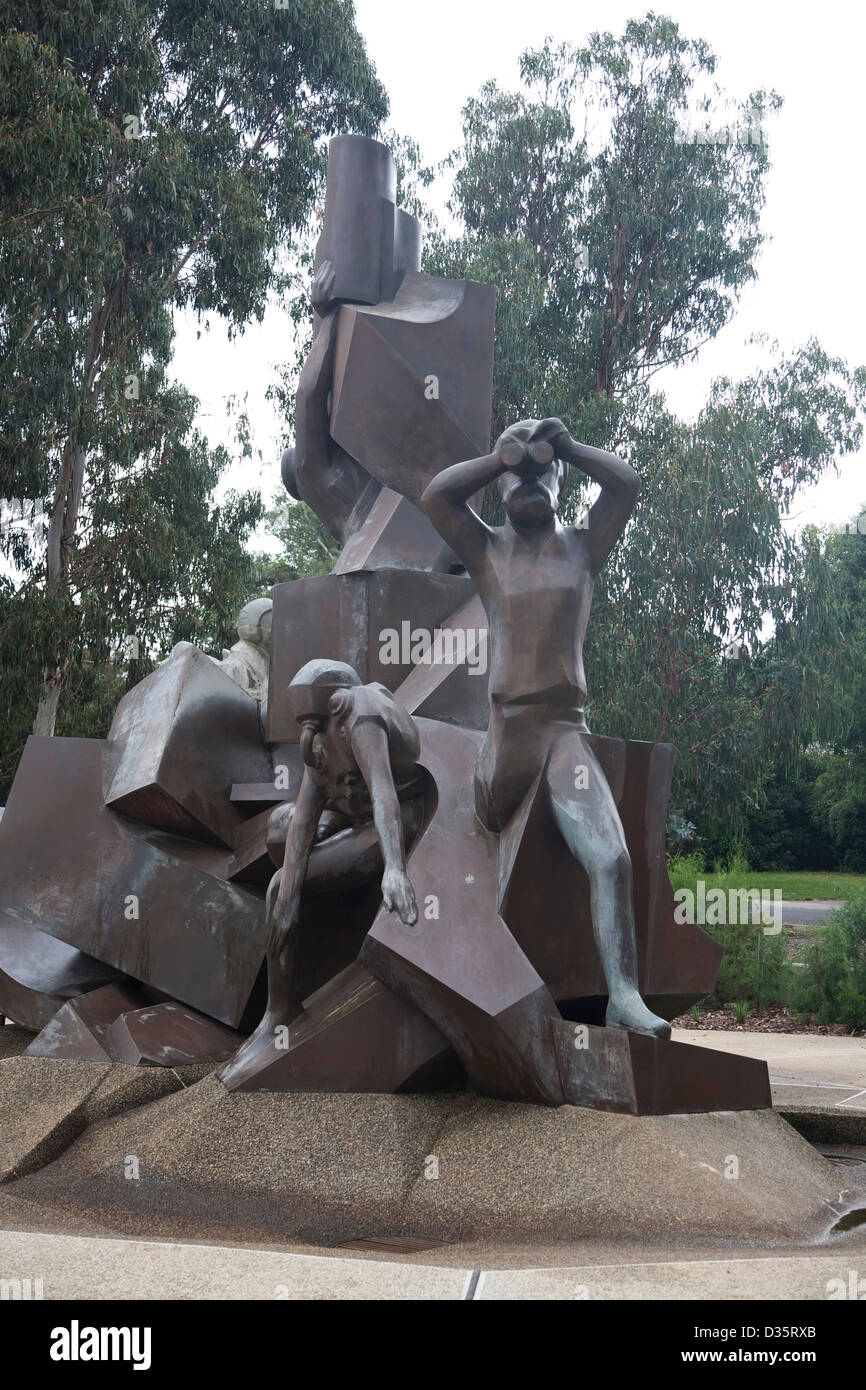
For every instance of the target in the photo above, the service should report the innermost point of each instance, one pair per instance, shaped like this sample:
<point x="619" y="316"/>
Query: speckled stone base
<point x="204" y="1163"/>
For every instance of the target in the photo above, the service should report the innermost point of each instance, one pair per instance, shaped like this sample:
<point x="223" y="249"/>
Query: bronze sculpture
<point x="521" y="927"/>
<point x="360" y="751"/>
<point x="535" y="579"/>
<point x="248" y="661"/>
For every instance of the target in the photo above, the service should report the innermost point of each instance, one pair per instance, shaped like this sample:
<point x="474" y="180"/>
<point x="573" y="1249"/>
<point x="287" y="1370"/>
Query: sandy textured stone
<point x="567" y="1173"/>
<point x="329" y="1168"/>
<point x="13" y="1040"/>
<point x="46" y="1102"/>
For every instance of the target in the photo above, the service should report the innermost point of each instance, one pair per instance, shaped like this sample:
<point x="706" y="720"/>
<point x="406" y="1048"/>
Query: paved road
<point x="808" y="913"/>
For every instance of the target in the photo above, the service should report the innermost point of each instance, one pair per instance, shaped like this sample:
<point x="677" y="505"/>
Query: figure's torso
<point x="537" y="596"/>
<point x="339" y="776"/>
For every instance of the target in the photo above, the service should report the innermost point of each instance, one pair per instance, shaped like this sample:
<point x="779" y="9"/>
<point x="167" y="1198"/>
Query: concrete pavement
<point x="73" y="1267"/>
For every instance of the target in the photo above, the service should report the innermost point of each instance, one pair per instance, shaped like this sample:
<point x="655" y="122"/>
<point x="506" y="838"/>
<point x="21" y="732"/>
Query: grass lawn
<point x="795" y="886"/>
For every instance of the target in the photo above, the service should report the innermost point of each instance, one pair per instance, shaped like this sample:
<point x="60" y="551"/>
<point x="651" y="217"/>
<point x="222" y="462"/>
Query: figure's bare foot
<point x="272" y="1034"/>
<point x="631" y="1012"/>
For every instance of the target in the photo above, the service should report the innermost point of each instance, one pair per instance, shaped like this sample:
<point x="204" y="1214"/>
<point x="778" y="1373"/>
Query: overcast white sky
<point x="433" y="54"/>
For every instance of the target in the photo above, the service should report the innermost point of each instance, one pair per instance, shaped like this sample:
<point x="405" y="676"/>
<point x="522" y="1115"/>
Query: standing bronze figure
<point x="535" y="578"/>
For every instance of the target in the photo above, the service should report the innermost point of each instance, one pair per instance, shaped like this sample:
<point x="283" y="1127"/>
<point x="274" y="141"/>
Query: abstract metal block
<point x="413" y="380"/>
<point x="460" y="964"/>
<point x="169" y="1035"/>
<point x="354" y="1035"/>
<point x="38" y="972"/>
<point x="181" y="737"/>
<point x="617" y="1070"/>
<point x="369" y="242"/>
<point x="351" y="616"/>
<point x="393" y="534"/>
<point x="79" y="1029"/>
<point x="154" y="906"/>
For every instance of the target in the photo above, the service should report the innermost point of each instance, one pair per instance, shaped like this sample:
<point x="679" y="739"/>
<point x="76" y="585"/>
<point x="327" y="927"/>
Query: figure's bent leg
<point x="586" y="814"/>
<point x="283" y="938"/>
<point x="283" y="908"/>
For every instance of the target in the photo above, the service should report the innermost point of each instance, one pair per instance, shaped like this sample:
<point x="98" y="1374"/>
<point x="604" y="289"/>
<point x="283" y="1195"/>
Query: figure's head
<point x="254" y="622"/>
<point x="336" y="674"/>
<point x="530" y="495"/>
<point x="313" y="695"/>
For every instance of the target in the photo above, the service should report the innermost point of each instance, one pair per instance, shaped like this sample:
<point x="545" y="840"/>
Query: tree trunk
<point x="61" y="539"/>
<point x="46" y="712"/>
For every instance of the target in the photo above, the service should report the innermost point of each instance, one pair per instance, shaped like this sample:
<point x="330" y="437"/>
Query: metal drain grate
<point x="397" y="1245"/>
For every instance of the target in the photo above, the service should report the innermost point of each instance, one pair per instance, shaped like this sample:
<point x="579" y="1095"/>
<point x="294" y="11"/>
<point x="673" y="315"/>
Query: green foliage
<point x="833" y="986"/>
<point x="782" y="830"/>
<point x="619" y="244"/>
<point x="156" y="154"/>
<point x="308" y="548"/>
<point x="838" y="798"/>
<point x="755" y="969"/>
<point x="707" y="558"/>
<point x="685" y="869"/>
<point x="740" y="1009"/>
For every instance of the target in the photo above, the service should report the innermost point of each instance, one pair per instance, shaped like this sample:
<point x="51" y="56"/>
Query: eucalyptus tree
<point x="155" y="154"/>
<point x="615" y="199"/>
<point x="617" y="217"/>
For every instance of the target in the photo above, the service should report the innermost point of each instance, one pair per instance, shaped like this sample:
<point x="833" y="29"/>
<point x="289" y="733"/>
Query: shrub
<point x="833" y="986"/>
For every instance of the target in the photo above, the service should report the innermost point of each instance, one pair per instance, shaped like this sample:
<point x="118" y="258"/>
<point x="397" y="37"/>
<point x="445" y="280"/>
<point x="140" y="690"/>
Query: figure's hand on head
<point x="550" y="431"/>
<point x="398" y="895"/>
<point x="322" y="289"/>
<point x="522" y="453"/>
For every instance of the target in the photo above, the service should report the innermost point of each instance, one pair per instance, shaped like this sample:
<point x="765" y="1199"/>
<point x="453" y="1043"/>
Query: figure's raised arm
<point x="618" y="482"/>
<point x="446" y="502"/>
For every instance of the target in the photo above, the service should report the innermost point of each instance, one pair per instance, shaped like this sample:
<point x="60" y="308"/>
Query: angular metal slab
<point x="354" y="1035"/>
<point x="79" y="1029"/>
<point x="156" y="908"/>
<point x="348" y="616"/>
<point x="169" y="1035"/>
<point x="38" y="971"/>
<point x="181" y="737"/>
<point x="616" y="1070"/>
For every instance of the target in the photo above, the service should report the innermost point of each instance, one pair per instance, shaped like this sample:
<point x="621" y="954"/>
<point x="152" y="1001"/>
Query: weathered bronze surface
<point x="400" y="361"/>
<point x="155" y="906"/>
<point x="38" y="973"/>
<point x="535" y="578"/>
<point x="360" y="750"/>
<point x="470" y="887"/>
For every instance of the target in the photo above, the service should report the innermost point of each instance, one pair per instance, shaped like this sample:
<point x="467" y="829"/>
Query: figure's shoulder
<point x="576" y="537"/>
<point x="374" y="703"/>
